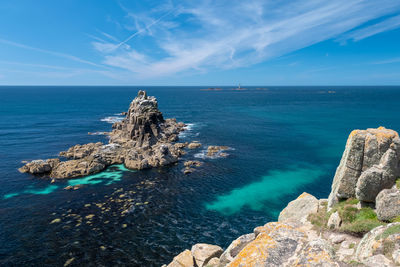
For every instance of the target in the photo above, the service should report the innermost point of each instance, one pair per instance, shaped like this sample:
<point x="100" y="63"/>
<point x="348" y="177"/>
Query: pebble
<point x="55" y="221"/>
<point x="69" y="261"/>
<point x="90" y="216"/>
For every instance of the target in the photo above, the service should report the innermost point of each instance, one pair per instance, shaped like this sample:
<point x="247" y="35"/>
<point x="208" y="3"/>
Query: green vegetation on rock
<point x="389" y="231"/>
<point x="398" y="183"/>
<point x="354" y="221"/>
<point x="397" y="219"/>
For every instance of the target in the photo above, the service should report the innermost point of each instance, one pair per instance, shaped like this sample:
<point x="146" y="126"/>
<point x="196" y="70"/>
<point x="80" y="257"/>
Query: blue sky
<point x="110" y="42"/>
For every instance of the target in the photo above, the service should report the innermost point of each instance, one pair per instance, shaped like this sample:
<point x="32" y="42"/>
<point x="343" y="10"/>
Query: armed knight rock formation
<point x="143" y="139"/>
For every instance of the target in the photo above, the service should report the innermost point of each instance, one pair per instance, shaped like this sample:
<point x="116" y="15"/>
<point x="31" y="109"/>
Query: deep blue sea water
<point x="286" y="140"/>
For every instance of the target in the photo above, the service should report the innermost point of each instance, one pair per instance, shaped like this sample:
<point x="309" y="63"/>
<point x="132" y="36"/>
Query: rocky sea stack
<point x="143" y="139"/>
<point x="358" y="226"/>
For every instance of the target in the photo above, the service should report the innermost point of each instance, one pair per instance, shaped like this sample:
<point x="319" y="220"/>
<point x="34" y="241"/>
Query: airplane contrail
<point x="142" y="30"/>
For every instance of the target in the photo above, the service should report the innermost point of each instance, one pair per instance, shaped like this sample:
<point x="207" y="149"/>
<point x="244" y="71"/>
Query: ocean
<point x="284" y="140"/>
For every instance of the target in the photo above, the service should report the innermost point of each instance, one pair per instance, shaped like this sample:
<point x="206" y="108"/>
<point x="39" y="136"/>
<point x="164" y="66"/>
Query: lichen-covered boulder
<point x="388" y="204"/>
<point x="184" y="259"/>
<point x="300" y="208"/>
<point x="383" y="239"/>
<point x="284" y="244"/>
<point x="369" y="164"/>
<point x="235" y="247"/>
<point x="203" y="253"/>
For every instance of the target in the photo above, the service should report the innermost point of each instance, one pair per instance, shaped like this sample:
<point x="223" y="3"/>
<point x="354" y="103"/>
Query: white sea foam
<point x="98" y="133"/>
<point x="112" y="119"/>
<point x="190" y="130"/>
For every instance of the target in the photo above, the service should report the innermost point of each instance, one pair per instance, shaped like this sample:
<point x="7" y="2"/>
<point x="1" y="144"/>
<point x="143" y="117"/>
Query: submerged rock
<point x="213" y="151"/>
<point x="194" y="145"/>
<point x="141" y="140"/>
<point x="370" y="163"/>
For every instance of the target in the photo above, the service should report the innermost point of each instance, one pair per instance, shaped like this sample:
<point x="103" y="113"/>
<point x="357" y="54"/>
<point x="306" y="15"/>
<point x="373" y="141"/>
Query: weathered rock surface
<point x="235" y="247"/>
<point x="378" y="260"/>
<point x="388" y="204"/>
<point x="284" y="244"/>
<point x="370" y="163"/>
<point x="334" y="221"/>
<point x="184" y="259"/>
<point x="81" y="151"/>
<point x="142" y="140"/>
<point x="39" y="166"/>
<point x="299" y="209"/>
<point x="77" y="167"/>
<point x="380" y="240"/>
<point x="203" y="253"/>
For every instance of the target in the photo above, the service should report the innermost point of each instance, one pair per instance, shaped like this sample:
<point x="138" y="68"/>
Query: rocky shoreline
<point x="143" y="139"/>
<point x="358" y="225"/>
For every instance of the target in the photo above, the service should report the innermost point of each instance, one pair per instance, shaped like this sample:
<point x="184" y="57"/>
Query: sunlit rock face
<point x="370" y="163"/>
<point x="142" y="123"/>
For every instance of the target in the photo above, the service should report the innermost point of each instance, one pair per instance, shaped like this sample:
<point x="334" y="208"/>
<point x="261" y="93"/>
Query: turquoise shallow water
<point x="285" y="140"/>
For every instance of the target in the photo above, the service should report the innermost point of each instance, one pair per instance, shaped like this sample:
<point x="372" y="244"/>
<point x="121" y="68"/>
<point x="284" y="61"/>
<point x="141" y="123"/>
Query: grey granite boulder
<point x="203" y="253"/>
<point x="300" y="208"/>
<point x="370" y="163"/>
<point x="184" y="259"/>
<point x="388" y="204"/>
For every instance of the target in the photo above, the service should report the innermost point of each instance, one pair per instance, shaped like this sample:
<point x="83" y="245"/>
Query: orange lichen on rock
<point x="254" y="253"/>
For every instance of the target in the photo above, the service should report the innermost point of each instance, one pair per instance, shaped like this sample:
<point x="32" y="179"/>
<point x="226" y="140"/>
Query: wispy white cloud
<point x="229" y="34"/>
<point x="386" y="25"/>
<point x="49" y="52"/>
<point x="387" y="61"/>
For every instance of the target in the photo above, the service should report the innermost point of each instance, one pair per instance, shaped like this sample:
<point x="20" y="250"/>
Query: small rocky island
<point x="358" y="225"/>
<point x="143" y="139"/>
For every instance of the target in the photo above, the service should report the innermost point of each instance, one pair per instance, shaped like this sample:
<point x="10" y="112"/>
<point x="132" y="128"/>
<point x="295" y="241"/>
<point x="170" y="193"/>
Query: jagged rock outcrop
<point x="144" y="139"/>
<point x="39" y="166"/>
<point x="144" y="124"/>
<point x="370" y="163"/>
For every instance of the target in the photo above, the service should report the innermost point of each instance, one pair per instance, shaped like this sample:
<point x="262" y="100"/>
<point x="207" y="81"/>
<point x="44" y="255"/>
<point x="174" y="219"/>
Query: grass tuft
<point x="354" y="221"/>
